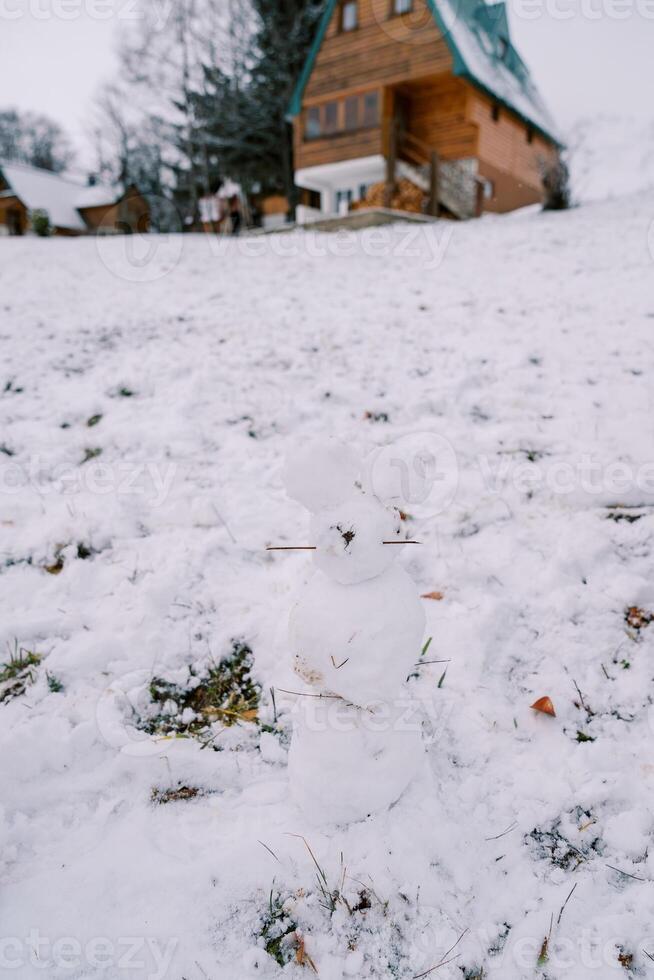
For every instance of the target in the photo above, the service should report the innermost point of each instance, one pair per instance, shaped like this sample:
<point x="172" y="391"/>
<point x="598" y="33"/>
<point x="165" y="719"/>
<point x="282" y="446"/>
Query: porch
<point x="421" y="135"/>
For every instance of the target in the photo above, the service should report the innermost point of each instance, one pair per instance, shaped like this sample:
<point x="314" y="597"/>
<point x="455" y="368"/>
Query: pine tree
<point x="29" y="137"/>
<point x="242" y="113"/>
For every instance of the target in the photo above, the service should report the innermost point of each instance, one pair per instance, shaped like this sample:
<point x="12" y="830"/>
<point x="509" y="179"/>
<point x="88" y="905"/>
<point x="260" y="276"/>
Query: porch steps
<point x="457" y="186"/>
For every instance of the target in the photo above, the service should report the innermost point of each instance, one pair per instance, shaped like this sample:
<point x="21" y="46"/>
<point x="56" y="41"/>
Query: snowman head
<point x="350" y="528"/>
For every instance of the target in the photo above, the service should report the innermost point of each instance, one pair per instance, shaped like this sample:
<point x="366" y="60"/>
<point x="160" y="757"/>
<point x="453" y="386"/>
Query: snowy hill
<point x="611" y="156"/>
<point x="146" y="402"/>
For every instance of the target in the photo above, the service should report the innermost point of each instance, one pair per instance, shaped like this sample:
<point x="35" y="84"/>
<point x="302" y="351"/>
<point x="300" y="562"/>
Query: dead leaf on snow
<point x="545" y="706"/>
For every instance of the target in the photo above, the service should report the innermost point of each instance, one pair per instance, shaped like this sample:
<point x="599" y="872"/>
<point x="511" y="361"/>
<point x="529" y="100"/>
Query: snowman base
<point x="346" y="763"/>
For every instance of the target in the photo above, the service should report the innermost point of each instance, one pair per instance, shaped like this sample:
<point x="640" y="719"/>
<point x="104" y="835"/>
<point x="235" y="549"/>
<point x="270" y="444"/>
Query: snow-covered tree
<point x="29" y="137"/>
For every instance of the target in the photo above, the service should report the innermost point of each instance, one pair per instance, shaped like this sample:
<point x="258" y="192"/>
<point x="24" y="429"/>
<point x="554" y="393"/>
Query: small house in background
<point x="421" y="104"/>
<point x="72" y="207"/>
<point x="108" y="209"/>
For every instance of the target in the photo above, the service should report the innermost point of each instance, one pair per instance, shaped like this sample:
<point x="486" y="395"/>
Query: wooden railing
<point x="448" y="183"/>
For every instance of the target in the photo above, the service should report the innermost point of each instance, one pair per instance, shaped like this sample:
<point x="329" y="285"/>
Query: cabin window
<point x="352" y="112"/>
<point x="330" y="118"/>
<point x="503" y="48"/>
<point x="530" y="135"/>
<point x="371" y="109"/>
<point x="349" y="15"/>
<point x="345" y="116"/>
<point x="489" y="190"/>
<point x="495" y="112"/>
<point x="401" y="7"/>
<point x="312" y="125"/>
<point x="310" y="199"/>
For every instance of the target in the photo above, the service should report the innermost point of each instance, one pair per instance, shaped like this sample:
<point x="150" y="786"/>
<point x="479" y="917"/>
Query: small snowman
<point x="355" y="635"/>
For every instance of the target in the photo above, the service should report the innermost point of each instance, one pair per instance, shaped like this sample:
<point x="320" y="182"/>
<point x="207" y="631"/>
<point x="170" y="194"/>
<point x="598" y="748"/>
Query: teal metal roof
<point x="477" y="34"/>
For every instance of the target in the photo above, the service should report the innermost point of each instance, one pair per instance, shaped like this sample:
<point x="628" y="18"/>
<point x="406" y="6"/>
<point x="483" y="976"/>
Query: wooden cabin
<point x="113" y="210"/>
<point x="427" y="91"/>
<point x="72" y="207"/>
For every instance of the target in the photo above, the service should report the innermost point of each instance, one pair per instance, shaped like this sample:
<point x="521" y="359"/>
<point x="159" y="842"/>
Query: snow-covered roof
<point x="477" y="34"/>
<point x="41" y="189"/>
<point x="98" y="195"/>
<point x="61" y="196"/>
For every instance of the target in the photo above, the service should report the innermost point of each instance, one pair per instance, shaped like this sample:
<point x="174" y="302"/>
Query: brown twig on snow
<point x="312" y="547"/>
<point x="589" y="711"/>
<point x="293" y="547"/>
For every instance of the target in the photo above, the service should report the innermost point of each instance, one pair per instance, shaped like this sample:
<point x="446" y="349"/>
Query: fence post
<point x="391" y="165"/>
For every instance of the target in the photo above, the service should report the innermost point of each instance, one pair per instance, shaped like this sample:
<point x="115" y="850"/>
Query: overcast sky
<point x="586" y="55"/>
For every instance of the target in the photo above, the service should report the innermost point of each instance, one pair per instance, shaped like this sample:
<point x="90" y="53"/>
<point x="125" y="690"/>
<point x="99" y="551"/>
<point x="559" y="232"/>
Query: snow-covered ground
<point x="520" y="350"/>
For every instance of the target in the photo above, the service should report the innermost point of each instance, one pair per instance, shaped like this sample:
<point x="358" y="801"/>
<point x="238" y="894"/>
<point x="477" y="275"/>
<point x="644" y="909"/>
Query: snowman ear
<point x="321" y="473"/>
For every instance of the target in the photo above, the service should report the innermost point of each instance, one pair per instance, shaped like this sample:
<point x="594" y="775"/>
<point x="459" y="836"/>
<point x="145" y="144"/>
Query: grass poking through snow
<point x="18" y="672"/>
<point x="225" y="693"/>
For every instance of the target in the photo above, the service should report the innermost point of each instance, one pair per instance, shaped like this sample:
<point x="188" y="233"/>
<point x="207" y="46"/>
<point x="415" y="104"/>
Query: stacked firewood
<point x="406" y="197"/>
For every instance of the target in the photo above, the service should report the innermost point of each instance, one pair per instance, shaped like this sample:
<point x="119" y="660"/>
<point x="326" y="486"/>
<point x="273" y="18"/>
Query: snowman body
<point x="355" y="635"/>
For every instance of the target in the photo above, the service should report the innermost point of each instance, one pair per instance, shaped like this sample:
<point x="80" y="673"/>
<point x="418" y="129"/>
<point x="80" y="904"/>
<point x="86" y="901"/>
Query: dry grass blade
<point x="626" y="873"/>
<point x="544" y="954"/>
<point x="322" y="877"/>
<point x="504" y="832"/>
<point x="444" y="961"/>
<point x="419" y="976"/>
<point x="566" y="902"/>
<point x="270" y="850"/>
<point x="303" y="694"/>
